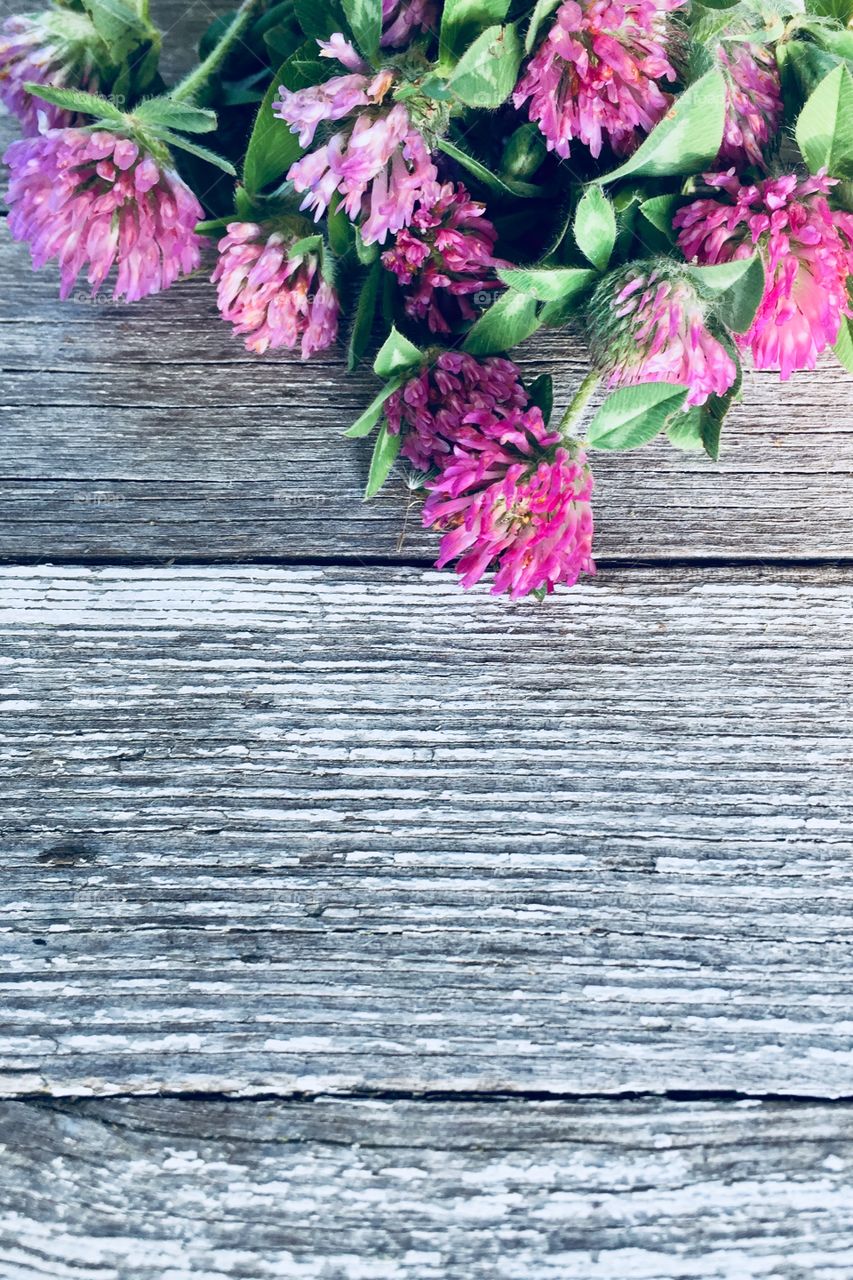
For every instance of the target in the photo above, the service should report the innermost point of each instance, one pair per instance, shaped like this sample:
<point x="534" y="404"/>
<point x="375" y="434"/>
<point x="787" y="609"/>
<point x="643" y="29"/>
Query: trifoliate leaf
<point x="395" y="355"/>
<point x="509" y="321"/>
<point x="272" y="147"/>
<point x="87" y="104"/>
<point x="658" y="212"/>
<point x="697" y="429"/>
<point x="738" y="303"/>
<point x="548" y="284"/>
<point x="803" y="66"/>
<point x="365" y="423"/>
<point x="487" y="72"/>
<point x="365" y="22"/>
<point x="385" y="453"/>
<point x="844" y="346"/>
<point x="720" y="277"/>
<point x="825" y="125"/>
<point x="595" y="227"/>
<point x="524" y="153"/>
<point x="633" y="416"/>
<point x="840" y="10"/>
<point x="829" y="36"/>
<point x="686" y="139"/>
<point x="462" y="21"/>
<point x="183" y="116"/>
<point x="117" y="24"/>
<point x="542" y="10"/>
<point x="684" y="431"/>
<point x="502" y="187"/>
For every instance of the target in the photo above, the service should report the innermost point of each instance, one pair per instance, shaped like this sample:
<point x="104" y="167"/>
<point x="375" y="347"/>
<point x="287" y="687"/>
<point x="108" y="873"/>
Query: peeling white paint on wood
<point x="660" y="1190"/>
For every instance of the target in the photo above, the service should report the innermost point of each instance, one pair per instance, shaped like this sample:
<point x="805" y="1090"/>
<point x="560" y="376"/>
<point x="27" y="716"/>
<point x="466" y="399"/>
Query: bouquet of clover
<point x="432" y="183"/>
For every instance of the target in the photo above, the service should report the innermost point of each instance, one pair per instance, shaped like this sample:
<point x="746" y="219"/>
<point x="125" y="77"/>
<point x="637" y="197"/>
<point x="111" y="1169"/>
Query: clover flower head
<point x="50" y="48"/>
<point x="648" y="324"/>
<point x="378" y="164"/>
<point x="271" y="297"/>
<point x="753" y="102"/>
<point x="431" y="408"/>
<point x="444" y="259"/>
<point x="512" y="498"/>
<point x="807" y="251"/>
<point x="597" y="76"/>
<point x="94" y="200"/>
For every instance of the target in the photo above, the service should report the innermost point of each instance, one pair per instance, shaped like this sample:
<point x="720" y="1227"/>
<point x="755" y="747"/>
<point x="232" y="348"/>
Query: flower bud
<point x="648" y="324"/>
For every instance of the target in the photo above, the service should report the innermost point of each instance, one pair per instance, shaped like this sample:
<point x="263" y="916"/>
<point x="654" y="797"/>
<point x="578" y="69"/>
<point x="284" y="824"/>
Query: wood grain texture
<point x="148" y="432"/>
<point x="287" y="831"/>
<point x="314" y="831"/>
<point x="348" y="1190"/>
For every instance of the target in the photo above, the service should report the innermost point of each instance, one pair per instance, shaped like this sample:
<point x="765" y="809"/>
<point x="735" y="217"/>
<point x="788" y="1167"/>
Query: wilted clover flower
<point x="50" y="48"/>
<point x="512" y="498"/>
<point x="807" y="251"/>
<point x="378" y="163"/>
<point x="596" y="78"/>
<point x="273" y="298"/>
<point x="648" y="324"/>
<point x="444" y="259"/>
<point x="431" y="408"/>
<point x="753" y="101"/>
<point x="94" y="200"/>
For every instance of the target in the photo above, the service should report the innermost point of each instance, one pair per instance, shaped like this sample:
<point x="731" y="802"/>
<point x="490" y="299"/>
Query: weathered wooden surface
<point x="273" y="830"/>
<point x="456" y="865"/>
<point x="412" y="1191"/>
<point x="148" y="432"/>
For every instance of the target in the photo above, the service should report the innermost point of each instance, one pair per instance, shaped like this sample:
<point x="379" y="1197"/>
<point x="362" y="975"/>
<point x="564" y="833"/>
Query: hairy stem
<point x="194" y="86"/>
<point x="579" y="402"/>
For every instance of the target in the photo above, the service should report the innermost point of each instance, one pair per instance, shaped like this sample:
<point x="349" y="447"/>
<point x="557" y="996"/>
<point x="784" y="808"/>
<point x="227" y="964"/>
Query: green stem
<point x="194" y="86"/>
<point x="580" y="400"/>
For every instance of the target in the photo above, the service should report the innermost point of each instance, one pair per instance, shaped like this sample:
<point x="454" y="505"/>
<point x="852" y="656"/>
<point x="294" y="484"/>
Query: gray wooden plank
<point x="339" y="1190"/>
<point x="150" y="433"/>
<point x="284" y="830"/>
